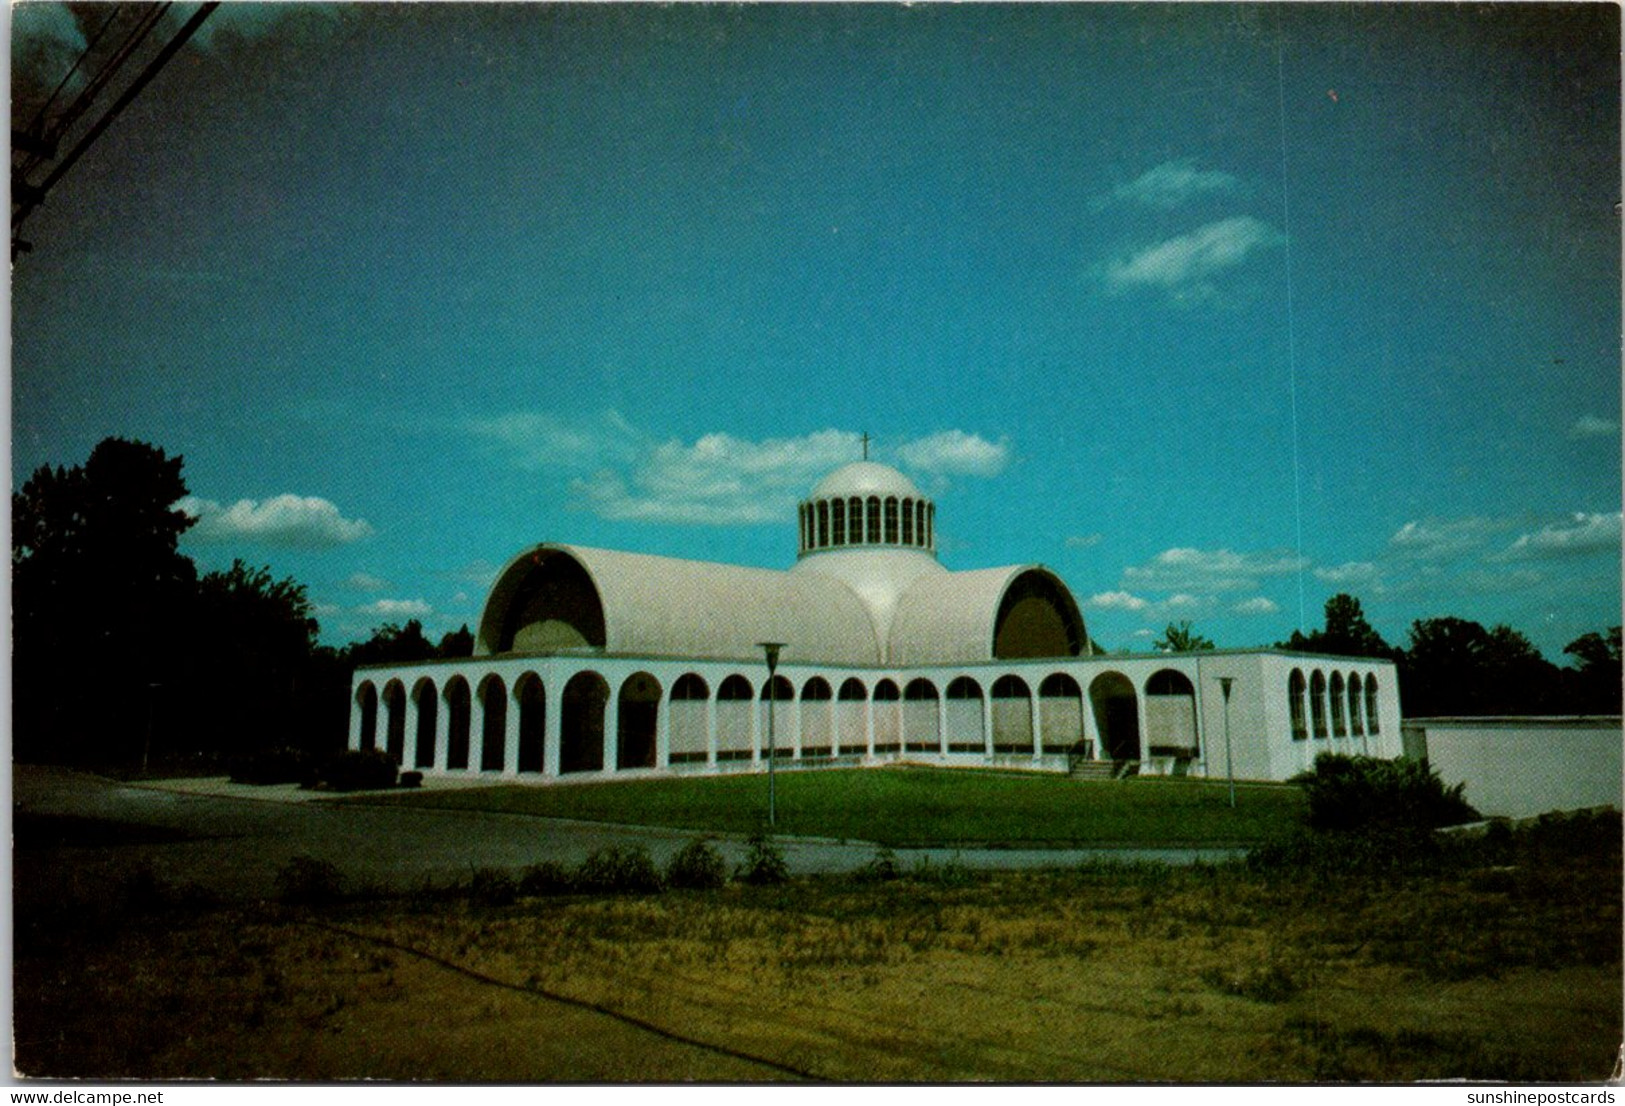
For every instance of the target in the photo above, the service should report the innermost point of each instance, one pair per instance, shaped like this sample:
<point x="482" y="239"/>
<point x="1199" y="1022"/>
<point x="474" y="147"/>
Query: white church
<point x="591" y="664"/>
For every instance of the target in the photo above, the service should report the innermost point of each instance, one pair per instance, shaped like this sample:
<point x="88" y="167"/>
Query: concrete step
<point x="1094" y="770"/>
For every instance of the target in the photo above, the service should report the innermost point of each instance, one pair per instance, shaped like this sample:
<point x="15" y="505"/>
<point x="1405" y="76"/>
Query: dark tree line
<point x="122" y="653"/>
<point x="1451" y="666"/>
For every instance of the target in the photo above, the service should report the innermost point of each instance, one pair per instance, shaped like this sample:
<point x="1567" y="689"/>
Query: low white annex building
<point x="590" y="663"/>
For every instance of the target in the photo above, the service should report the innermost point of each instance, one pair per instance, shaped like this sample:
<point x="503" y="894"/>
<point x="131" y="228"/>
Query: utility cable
<point x="90" y="46"/>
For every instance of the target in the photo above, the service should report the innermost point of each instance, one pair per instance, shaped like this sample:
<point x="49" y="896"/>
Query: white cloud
<point x="1594" y="426"/>
<point x="1210" y="570"/>
<point x="534" y="440"/>
<point x="1184" y="266"/>
<point x="396" y="608"/>
<point x="361" y="581"/>
<point x="1182" y="604"/>
<point x="954" y="452"/>
<point x="286" y="521"/>
<point x="1117" y="601"/>
<point x="1257" y="605"/>
<point x="1354" y="573"/>
<point x="1582" y="534"/>
<point x="1172" y="184"/>
<point x="1083" y="541"/>
<point x="1433" y="539"/>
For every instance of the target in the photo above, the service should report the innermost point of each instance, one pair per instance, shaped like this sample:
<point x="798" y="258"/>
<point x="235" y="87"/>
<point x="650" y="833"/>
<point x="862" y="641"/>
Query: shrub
<point x="360" y="770"/>
<point x="764" y="863"/>
<point x="306" y="881"/>
<point x="547" y="878"/>
<point x="489" y="887"/>
<point x="1359" y="793"/>
<point x="283" y="765"/>
<point x="619" y="868"/>
<point x="697" y="865"/>
<point x="881" y="867"/>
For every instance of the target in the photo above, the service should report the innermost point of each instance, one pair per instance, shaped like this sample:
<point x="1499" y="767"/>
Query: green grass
<point x="912" y="806"/>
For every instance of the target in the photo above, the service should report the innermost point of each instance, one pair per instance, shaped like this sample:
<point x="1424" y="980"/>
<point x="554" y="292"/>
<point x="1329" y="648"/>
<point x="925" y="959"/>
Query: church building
<point x="596" y="664"/>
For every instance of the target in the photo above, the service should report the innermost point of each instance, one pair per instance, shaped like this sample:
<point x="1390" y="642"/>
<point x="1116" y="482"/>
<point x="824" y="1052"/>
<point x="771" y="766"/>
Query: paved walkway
<point x="232" y="839"/>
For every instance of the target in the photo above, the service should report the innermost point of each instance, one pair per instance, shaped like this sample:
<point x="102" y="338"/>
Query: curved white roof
<point x="865" y="478"/>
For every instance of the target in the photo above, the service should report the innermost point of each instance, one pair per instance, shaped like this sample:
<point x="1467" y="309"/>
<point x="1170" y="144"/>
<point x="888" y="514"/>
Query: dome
<point x="865" y="478"/>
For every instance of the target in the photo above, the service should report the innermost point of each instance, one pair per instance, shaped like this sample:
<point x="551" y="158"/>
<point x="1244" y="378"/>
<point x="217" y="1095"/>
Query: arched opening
<point x="1170" y="715"/>
<point x="1117" y="716"/>
<point x="816" y="699"/>
<point x="837" y="521"/>
<point x="930" y="525"/>
<point x="734" y="699"/>
<point x="687" y="719"/>
<point x="549" y="604"/>
<point x="888" y="718"/>
<point x="1060" y="715"/>
<point x="1372" y="724"/>
<point x="872" y="537"/>
<point x="1339" y="726"/>
<point x="908" y="522"/>
<point x="854" y="512"/>
<point x="1012" y="716"/>
<point x="823" y="523"/>
<point x="366" y="698"/>
<point x="532" y="699"/>
<point x="459" y="715"/>
<point x="919" y="522"/>
<point x="1037" y="618"/>
<point x="494" y="724"/>
<point x="920" y="717"/>
<point x="637" y="720"/>
<point x="1356" y="715"/>
<point x="779" y="696"/>
<point x="424" y="696"/>
<point x="581" y="723"/>
<point x="1317" y="703"/>
<point x="1294" y="694"/>
<point x="395" y="720"/>
<point x="964" y="709"/>
<point x="851" y="732"/>
<point x="891" y="520"/>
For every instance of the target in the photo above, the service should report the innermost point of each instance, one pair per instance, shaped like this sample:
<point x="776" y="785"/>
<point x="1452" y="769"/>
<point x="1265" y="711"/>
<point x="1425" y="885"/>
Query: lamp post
<point x="771" y="648"/>
<point x="1224" y="685"/>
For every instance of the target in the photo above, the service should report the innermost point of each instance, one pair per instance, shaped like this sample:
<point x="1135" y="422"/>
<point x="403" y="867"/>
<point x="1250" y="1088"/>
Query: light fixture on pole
<point x="1230" y="774"/>
<point x="771" y="648"/>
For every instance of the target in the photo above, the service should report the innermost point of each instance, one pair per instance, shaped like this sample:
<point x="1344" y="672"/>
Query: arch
<point x="908" y="522"/>
<point x="1356" y="700"/>
<point x="581" y="723"/>
<point x="1060" y="714"/>
<point x="548" y="602"/>
<point x="1170" y="715"/>
<point x="837" y="521"/>
<point x="851" y="704"/>
<point x="1012" y="715"/>
<point x="778" y="696"/>
<point x="426" y="700"/>
<point x="1339" y="725"/>
<point x="531" y="700"/>
<point x="1037" y="617"/>
<point x="1295" y="688"/>
<point x="459" y="715"/>
<point x="1117" y="715"/>
<point x="816" y="711"/>
<point x="1317" y="702"/>
<point x="366" y="697"/>
<point x="872" y="532"/>
<point x="395" y="720"/>
<point x="1372" y="721"/>
<point x="888" y="716"/>
<point x="734" y="699"/>
<point x="854" y="514"/>
<point x="823" y="523"/>
<point x="891" y="520"/>
<point x="637" y="721"/>
<point x="920" y="722"/>
<point x="687" y="720"/>
<point x="966" y="728"/>
<point x="493" y="723"/>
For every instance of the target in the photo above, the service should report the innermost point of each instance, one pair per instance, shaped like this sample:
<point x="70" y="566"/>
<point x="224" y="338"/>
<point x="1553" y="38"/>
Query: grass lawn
<point x="912" y="806"/>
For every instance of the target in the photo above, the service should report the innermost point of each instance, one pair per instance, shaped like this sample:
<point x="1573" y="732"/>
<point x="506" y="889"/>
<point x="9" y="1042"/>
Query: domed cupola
<point x="866" y="505"/>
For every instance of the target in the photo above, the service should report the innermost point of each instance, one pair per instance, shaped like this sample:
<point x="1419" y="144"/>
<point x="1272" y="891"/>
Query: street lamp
<point x="1224" y="685"/>
<point x="771" y="648"/>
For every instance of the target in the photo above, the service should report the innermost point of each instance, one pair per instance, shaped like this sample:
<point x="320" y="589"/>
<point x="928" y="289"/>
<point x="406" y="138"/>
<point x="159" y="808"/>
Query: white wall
<point x="1519" y="767"/>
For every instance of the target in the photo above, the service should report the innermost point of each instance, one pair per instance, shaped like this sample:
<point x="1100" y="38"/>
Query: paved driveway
<point x="85" y="831"/>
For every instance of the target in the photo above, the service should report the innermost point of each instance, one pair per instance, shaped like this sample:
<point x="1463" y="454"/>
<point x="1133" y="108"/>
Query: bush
<point x="618" y="869"/>
<point x="881" y="867"/>
<point x="697" y="865"/>
<point x="547" y="878"/>
<point x="764" y="863"/>
<point x="360" y="770"/>
<point x="1362" y="793"/>
<point x="306" y="881"/>
<point x="284" y="765"/>
<point x="489" y="887"/>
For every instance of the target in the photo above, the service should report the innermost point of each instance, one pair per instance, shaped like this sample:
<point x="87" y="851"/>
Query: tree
<point x="1455" y="666"/>
<point x="392" y="644"/>
<point x="1181" y="638"/>
<point x="96" y="577"/>
<point x="1595" y="687"/>
<point x="458" y="643"/>
<point x="1346" y="633"/>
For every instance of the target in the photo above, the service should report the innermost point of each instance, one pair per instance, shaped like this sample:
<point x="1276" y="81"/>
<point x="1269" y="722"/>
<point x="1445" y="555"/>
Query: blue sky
<point x="1216" y="310"/>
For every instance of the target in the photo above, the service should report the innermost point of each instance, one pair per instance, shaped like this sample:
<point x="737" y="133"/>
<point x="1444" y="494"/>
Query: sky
<point x="1216" y="310"/>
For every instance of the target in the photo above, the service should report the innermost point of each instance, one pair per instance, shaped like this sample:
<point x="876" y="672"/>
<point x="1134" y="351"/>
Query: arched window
<point x="1317" y="703"/>
<point x="816" y="738"/>
<point x="887" y="715"/>
<point x="1356" y="724"/>
<point x="1012" y="715"/>
<point x="920" y="717"/>
<point x="1371" y="722"/>
<point x="1294" y="694"/>
<point x="908" y="522"/>
<point x="823" y="523"/>
<point x="687" y="720"/>
<point x="1339" y="727"/>
<point x="874" y="520"/>
<point x="964" y="716"/>
<point x="919" y="522"/>
<point x="854" y="512"/>
<point x="734" y="699"/>
<point x="837" y="521"/>
<point x="930" y="525"/>
<point x="891" y="520"/>
<point x="1060" y="713"/>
